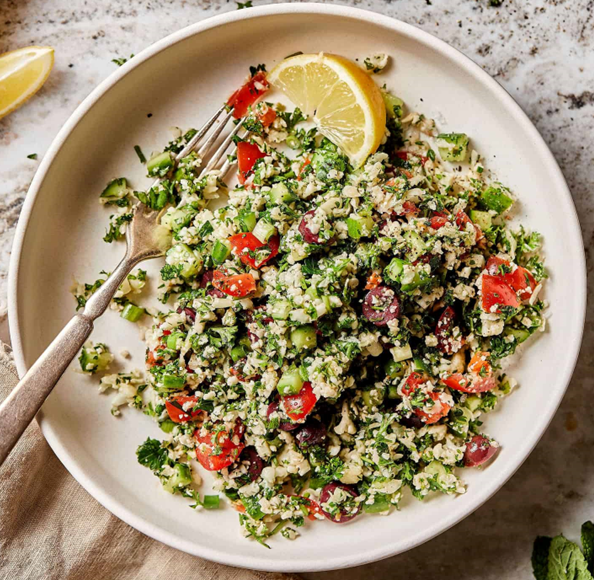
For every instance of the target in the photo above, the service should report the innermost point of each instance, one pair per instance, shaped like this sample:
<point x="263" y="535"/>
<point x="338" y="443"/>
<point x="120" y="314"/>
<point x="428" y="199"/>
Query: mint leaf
<point x="540" y="557"/>
<point x="566" y="561"/>
<point x="588" y="544"/>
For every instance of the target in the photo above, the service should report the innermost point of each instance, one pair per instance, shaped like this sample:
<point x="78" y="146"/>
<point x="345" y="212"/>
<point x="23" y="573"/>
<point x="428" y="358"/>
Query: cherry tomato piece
<point x="217" y="450"/>
<point x="497" y="292"/>
<point x="238" y="285"/>
<point x="180" y="409"/>
<point x="252" y="251"/>
<point x="248" y="94"/>
<point x="247" y="155"/>
<point x="299" y="406"/>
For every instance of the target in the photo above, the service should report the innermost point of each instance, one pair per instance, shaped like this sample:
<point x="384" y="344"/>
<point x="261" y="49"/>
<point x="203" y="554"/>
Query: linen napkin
<point x="52" y="529"/>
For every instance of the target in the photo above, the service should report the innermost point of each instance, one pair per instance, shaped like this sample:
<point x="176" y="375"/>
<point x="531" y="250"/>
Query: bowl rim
<point x="387" y="549"/>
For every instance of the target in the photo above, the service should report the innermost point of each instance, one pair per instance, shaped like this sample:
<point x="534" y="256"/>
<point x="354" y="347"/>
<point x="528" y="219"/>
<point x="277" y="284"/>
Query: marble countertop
<point x="541" y="51"/>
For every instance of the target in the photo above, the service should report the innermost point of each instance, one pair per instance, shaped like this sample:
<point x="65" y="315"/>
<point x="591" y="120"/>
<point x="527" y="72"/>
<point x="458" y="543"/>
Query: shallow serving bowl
<point x="181" y="80"/>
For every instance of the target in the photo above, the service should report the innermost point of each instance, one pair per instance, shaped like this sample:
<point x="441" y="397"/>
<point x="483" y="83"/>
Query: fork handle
<point x="21" y="406"/>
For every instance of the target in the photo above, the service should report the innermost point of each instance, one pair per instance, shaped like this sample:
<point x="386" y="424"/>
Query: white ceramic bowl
<point x="181" y="80"/>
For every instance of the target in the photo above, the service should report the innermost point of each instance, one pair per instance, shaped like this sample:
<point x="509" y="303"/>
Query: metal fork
<point x="23" y="403"/>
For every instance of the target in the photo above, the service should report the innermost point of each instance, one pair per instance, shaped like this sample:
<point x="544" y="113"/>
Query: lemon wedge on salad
<point x="344" y="102"/>
<point x="22" y="74"/>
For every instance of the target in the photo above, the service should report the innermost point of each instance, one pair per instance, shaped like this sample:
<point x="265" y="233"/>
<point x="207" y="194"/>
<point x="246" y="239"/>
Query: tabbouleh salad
<point x="330" y="338"/>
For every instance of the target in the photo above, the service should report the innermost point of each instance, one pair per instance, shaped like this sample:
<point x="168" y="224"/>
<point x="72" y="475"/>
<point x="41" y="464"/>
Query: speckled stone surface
<point x="541" y="51"/>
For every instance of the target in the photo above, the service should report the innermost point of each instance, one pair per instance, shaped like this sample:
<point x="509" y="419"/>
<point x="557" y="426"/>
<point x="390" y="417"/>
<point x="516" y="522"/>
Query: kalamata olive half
<point x="189" y="312"/>
<point x="206" y="281"/>
<point x="313" y="432"/>
<point x="412" y="422"/>
<point x="443" y="331"/>
<point x="308" y="236"/>
<point x="344" y="514"/>
<point x="274" y="407"/>
<point x="381" y="305"/>
<point x="478" y="451"/>
<point x="255" y="463"/>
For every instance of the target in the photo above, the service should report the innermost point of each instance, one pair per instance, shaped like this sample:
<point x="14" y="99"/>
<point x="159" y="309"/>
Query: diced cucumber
<point x="220" y="251"/>
<point x="167" y="426"/>
<point x="211" y="502"/>
<point x="436" y="468"/>
<point x="453" y="146"/>
<point x="177" y="218"/>
<point x="394" y="369"/>
<point x="473" y="402"/>
<point x="419" y="365"/>
<point x="520" y="334"/>
<point x="181" y="478"/>
<point x="304" y="337"/>
<point x="392" y="392"/>
<point x="246" y="220"/>
<point x="400" y="353"/>
<point x="460" y="421"/>
<point x="116" y="189"/>
<point x="494" y="199"/>
<point x="132" y="312"/>
<point x="238" y="352"/>
<point x="290" y="383"/>
<point x="264" y="230"/>
<point x="380" y="504"/>
<point x="481" y="218"/>
<point x="280" y="310"/>
<point x="394" y="269"/>
<point x="394" y="105"/>
<point x="372" y="397"/>
<point x="183" y="255"/>
<point x="173" y="382"/>
<point x="279" y="193"/>
<point x="416" y="245"/>
<point x="159" y="165"/>
<point x="172" y="340"/>
<point x="359" y="226"/>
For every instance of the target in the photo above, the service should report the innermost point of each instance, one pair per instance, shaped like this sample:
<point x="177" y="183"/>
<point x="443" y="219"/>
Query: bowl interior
<point x="182" y="85"/>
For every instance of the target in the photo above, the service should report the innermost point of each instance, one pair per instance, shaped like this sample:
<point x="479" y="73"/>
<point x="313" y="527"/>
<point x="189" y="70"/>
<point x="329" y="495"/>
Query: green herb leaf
<point x="152" y="455"/>
<point x="566" y="561"/>
<point x="540" y="557"/>
<point x="588" y="544"/>
<point x="32" y="156"/>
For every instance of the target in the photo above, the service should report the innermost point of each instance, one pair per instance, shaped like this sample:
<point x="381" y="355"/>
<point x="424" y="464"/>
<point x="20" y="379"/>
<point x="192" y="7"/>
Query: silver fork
<point x="21" y="406"/>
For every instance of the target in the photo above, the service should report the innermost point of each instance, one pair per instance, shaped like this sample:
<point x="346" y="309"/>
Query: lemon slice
<point x="22" y="74"/>
<point x="346" y="105"/>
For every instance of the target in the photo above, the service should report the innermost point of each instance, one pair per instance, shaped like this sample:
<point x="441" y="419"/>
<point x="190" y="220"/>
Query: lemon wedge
<point x="22" y="74"/>
<point x="345" y="104"/>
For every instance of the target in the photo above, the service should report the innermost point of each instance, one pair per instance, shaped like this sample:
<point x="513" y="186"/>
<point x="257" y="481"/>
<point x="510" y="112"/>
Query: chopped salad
<point x="331" y="337"/>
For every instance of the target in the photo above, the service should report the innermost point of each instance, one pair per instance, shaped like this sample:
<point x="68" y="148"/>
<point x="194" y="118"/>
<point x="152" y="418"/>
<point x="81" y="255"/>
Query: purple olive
<point x="344" y="514"/>
<point x="313" y="432"/>
<point x="412" y="422"/>
<point x="308" y="236"/>
<point x="274" y="407"/>
<point x="206" y="281"/>
<point x="255" y="463"/>
<point x="189" y="312"/>
<point x="381" y="305"/>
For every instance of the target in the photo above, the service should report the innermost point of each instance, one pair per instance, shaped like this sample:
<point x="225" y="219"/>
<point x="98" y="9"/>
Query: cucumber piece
<point x="280" y="310"/>
<point x="211" y="502"/>
<point x="359" y="226"/>
<point x="173" y="382"/>
<point x="264" y="230"/>
<point x="132" y="312"/>
<point x="436" y="468"/>
<point x="373" y="397"/>
<point x="453" y="146"/>
<point x="394" y="105"/>
<point x="482" y="219"/>
<point x="304" y="337"/>
<point x="167" y="426"/>
<point x="237" y="353"/>
<point x="181" y="478"/>
<point x="419" y="365"/>
<point x="220" y="251"/>
<point x="394" y="269"/>
<point x="172" y="340"/>
<point x="246" y="220"/>
<point x="290" y="383"/>
<point x="183" y="255"/>
<point x="159" y="165"/>
<point x="392" y="392"/>
<point x="380" y="504"/>
<point x="460" y="421"/>
<point x="494" y="199"/>
<point x="293" y="142"/>
<point x="416" y="245"/>
<point x="177" y="218"/>
<point x="115" y="190"/>
<point x="473" y="402"/>
<point x="303" y="373"/>
<point x="394" y="369"/>
<point x="400" y="353"/>
<point x="519" y="333"/>
<point x="279" y="193"/>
